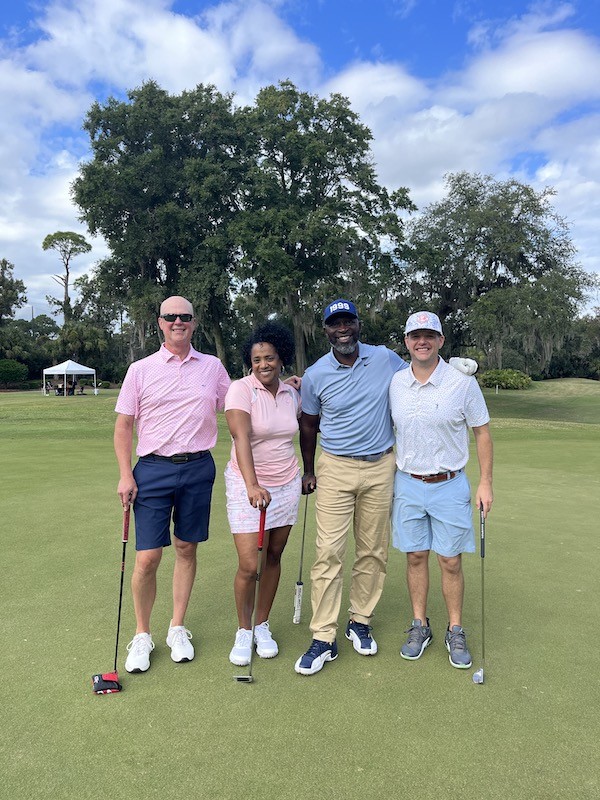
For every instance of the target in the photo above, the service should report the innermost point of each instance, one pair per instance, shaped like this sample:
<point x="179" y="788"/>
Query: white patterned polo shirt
<point x="432" y="419"/>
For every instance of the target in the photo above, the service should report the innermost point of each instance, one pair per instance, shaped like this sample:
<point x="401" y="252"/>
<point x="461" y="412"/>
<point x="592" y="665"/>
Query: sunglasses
<point x="173" y="317"/>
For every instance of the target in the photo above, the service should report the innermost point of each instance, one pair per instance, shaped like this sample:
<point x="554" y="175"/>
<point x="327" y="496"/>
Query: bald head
<point x="176" y="305"/>
<point x="177" y="332"/>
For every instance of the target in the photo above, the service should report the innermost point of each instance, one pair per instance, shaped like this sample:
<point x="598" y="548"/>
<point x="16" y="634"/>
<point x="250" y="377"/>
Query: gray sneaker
<point x="456" y="645"/>
<point x="419" y="637"/>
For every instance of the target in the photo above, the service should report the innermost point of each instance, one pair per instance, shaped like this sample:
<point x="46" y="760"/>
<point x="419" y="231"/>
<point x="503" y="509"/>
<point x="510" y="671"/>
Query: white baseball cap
<point x="423" y="320"/>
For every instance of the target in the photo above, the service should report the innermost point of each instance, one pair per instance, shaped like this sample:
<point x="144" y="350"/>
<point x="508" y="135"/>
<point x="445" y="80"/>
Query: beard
<point x="345" y="349"/>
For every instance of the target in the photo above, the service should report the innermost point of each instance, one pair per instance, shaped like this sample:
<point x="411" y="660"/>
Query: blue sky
<point x="506" y="88"/>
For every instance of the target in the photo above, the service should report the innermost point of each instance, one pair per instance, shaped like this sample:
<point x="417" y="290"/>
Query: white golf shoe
<point x="240" y="652"/>
<point x="139" y="649"/>
<point x="266" y="646"/>
<point x="178" y="640"/>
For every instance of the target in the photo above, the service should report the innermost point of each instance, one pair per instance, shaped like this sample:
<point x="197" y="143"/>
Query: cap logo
<point x="338" y="307"/>
<point x="426" y="320"/>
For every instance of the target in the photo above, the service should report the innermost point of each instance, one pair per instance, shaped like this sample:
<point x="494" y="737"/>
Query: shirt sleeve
<point x="127" y="401"/>
<point x="476" y="412"/>
<point x="223" y="384"/>
<point x="310" y="402"/>
<point x="396" y="362"/>
<point x="297" y="400"/>
<point x="239" y="397"/>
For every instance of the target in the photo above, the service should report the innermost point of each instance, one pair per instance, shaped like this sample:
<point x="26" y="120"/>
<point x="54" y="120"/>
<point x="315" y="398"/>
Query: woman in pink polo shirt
<point x="262" y="414"/>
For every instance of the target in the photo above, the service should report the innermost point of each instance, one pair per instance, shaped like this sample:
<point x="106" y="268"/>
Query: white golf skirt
<point x="281" y="511"/>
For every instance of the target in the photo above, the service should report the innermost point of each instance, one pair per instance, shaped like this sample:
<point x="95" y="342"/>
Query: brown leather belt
<point x="440" y="476"/>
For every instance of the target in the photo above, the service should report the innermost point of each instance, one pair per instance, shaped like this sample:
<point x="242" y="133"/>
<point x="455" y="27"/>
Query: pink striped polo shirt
<point x="273" y="423"/>
<point x="174" y="402"/>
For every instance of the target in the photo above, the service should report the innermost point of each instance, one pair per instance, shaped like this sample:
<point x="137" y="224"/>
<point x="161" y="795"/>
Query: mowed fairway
<point x="363" y="727"/>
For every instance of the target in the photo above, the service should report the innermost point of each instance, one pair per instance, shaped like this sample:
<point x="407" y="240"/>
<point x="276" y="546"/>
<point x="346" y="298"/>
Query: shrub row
<point x="505" y="379"/>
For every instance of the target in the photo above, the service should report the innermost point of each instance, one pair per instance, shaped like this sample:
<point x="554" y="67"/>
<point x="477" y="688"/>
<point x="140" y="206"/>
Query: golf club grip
<point x="298" y="604"/>
<point x="261" y="527"/>
<point x="481" y="533"/>
<point x="126" y="516"/>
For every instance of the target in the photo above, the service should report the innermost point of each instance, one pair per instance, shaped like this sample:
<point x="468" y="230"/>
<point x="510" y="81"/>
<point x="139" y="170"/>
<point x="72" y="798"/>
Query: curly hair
<point x="274" y="334"/>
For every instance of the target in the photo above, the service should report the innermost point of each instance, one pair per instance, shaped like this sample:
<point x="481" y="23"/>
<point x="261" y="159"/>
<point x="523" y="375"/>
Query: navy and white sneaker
<point x="456" y="645"/>
<point x="360" y="636"/>
<point x="315" y="657"/>
<point x="419" y="637"/>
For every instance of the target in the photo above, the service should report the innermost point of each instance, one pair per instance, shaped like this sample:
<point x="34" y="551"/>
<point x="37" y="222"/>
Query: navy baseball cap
<point x="339" y="307"/>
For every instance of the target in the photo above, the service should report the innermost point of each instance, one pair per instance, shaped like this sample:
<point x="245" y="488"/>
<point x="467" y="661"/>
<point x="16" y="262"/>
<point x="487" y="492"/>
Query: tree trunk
<point x="138" y="345"/>
<point x="67" y="311"/>
<point x="217" y="335"/>
<point x="298" y="330"/>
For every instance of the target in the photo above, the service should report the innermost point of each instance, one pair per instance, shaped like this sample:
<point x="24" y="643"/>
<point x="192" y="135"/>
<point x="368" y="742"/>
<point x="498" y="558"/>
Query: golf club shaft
<point x="302" y="544"/>
<point x="482" y="553"/>
<point x="125" y="538"/>
<point x="261" y="538"/>
<point x="299" y="584"/>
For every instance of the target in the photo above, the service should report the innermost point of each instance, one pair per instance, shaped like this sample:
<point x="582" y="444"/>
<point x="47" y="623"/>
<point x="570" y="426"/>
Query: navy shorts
<point x="164" y="488"/>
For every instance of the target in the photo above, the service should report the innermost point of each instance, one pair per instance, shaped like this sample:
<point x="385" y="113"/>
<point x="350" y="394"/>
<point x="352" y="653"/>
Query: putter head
<point x="478" y="676"/>
<point x="243" y="678"/>
<point x="106" y="683"/>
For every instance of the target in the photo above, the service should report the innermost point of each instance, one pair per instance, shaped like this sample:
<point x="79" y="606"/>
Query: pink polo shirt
<point x="274" y="423"/>
<point x="174" y="402"/>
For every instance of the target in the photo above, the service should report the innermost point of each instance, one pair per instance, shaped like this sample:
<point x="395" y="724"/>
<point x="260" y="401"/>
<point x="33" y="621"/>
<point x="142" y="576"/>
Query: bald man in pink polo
<point x="171" y="399"/>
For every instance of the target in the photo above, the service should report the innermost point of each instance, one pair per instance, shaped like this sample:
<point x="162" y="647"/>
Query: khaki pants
<point x="347" y="490"/>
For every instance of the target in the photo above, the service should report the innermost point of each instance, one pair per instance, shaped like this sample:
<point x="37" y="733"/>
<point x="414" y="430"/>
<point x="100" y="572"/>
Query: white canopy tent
<point x="67" y="369"/>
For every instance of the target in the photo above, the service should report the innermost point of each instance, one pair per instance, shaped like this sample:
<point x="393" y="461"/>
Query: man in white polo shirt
<point x="433" y="406"/>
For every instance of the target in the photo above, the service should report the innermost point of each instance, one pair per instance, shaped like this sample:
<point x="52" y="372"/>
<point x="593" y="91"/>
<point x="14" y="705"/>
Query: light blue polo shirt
<point x="353" y="402"/>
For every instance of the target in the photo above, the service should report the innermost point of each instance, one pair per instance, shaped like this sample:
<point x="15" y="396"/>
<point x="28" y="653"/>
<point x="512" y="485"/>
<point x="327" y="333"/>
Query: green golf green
<point x="363" y="727"/>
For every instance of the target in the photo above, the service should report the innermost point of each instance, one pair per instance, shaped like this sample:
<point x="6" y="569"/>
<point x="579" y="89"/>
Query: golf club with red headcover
<point x="261" y="537"/>
<point x="108" y="682"/>
<point x="299" y="584"/>
<point x="478" y="674"/>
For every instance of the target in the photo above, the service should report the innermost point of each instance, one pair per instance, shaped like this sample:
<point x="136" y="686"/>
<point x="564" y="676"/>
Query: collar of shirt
<point x="256" y="384"/>
<point x="362" y="356"/>
<point x="436" y="376"/>
<point x="167" y="355"/>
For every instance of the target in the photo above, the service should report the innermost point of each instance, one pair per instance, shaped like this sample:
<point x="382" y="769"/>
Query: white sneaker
<point x="266" y="646"/>
<point x="178" y="640"/>
<point x="139" y="649"/>
<point x="240" y="652"/>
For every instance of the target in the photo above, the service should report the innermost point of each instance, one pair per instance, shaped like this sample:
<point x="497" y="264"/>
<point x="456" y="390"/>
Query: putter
<point x="299" y="584"/>
<point x="108" y="682"/>
<point x="478" y="674"/>
<point x="261" y="535"/>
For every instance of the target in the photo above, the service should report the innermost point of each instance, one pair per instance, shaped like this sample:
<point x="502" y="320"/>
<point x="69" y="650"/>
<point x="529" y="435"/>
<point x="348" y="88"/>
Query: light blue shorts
<point x="432" y="516"/>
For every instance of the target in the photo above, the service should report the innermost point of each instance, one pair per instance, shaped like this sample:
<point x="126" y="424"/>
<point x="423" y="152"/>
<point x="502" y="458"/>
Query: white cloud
<point x="525" y="89"/>
<point x="562" y="66"/>
<point x="374" y="86"/>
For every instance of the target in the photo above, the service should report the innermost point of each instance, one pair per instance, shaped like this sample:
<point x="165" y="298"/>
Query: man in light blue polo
<point x="433" y="408"/>
<point x="345" y="395"/>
